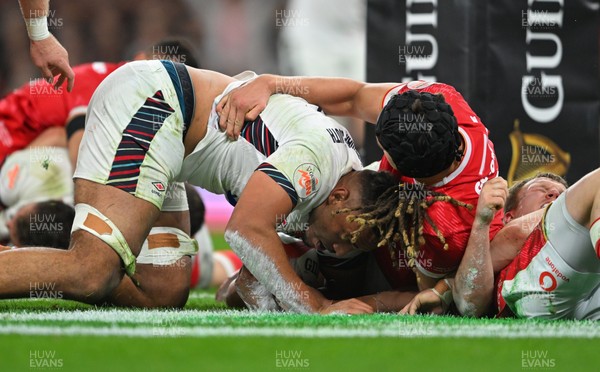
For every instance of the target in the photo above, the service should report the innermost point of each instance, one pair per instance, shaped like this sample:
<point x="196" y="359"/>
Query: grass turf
<point x="176" y="340"/>
<point x="206" y="337"/>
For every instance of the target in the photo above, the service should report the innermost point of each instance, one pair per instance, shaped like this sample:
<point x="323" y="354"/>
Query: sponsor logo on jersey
<point x="307" y="177"/>
<point x="556" y="271"/>
<point x="548" y="281"/>
<point x="479" y="185"/>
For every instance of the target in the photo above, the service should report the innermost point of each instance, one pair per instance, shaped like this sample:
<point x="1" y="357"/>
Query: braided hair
<point x="397" y="219"/>
<point x="419" y="132"/>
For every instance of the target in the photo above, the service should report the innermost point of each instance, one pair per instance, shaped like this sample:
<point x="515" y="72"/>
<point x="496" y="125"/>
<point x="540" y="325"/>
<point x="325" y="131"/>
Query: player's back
<point x="303" y="150"/>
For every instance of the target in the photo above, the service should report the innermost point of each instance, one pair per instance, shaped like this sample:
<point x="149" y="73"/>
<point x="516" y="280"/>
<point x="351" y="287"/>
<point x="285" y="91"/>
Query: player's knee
<point x="97" y="270"/>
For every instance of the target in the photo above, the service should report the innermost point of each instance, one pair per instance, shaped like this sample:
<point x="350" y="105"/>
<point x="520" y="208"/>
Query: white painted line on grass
<point x="440" y="331"/>
<point x="201" y="296"/>
<point x="231" y="323"/>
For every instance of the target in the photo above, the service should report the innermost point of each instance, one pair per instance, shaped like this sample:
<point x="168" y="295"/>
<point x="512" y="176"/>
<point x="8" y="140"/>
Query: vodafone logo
<point x="548" y="281"/>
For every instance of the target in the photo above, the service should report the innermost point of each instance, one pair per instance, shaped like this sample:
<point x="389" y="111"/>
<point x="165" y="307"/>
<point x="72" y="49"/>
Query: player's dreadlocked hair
<point x="397" y="219"/>
<point x="420" y="133"/>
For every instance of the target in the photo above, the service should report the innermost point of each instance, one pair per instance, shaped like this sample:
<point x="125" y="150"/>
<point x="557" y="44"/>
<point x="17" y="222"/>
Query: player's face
<point x="333" y="235"/>
<point x="331" y="232"/>
<point x="536" y="194"/>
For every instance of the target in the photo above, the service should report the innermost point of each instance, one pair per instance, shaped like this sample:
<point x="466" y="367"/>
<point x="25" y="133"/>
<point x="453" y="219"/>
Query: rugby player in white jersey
<point x="152" y="125"/>
<point x="36" y="197"/>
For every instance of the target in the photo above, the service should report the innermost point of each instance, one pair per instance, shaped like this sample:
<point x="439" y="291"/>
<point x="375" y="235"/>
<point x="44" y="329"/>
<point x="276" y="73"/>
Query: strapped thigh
<point x="89" y="219"/>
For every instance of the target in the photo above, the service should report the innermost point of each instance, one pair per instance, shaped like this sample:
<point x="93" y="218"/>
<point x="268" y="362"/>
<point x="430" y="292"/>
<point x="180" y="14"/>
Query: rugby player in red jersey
<point x="432" y="140"/>
<point x="26" y="112"/>
<point x="545" y="263"/>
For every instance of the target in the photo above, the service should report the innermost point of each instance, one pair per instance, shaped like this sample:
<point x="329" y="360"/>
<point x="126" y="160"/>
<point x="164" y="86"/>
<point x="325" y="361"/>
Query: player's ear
<point x="508" y="216"/>
<point x="338" y="194"/>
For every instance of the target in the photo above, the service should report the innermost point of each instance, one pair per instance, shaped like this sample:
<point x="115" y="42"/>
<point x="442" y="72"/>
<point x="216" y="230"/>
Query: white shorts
<point x="563" y="280"/>
<point x="135" y="125"/>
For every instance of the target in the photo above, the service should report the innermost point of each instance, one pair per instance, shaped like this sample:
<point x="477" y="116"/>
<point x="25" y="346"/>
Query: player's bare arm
<point x="251" y="234"/>
<point x="46" y="52"/>
<point x="336" y="96"/>
<point x="473" y="285"/>
<point x="253" y="237"/>
<point x="508" y="242"/>
<point x="474" y="281"/>
<point x="388" y="301"/>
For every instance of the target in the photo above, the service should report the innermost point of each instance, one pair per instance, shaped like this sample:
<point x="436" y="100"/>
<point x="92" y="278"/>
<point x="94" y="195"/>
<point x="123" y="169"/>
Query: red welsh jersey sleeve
<point x="478" y="165"/>
<point x="36" y="106"/>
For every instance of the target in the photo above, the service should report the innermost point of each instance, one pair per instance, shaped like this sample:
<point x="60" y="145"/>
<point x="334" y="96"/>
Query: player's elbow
<point x="474" y="304"/>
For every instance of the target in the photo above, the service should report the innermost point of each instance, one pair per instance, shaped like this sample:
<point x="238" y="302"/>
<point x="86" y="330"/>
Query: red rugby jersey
<point x="530" y="249"/>
<point x="478" y="165"/>
<point x="36" y="106"/>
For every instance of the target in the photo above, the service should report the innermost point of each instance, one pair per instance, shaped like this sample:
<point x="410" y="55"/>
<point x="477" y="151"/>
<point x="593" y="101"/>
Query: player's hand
<point x="242" y="104"/>
<point x="491" y="199"/>
<point x="351" y="306"/>
<point x="425" y="302"/>
<point x="226" y="288"/>
<point x="53" y="60"/>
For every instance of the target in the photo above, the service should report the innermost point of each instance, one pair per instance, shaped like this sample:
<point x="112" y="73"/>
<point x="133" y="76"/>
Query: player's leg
<point x="163" y="271"/>
<point x="90" y="268"/>
<point x="122" y="173"/>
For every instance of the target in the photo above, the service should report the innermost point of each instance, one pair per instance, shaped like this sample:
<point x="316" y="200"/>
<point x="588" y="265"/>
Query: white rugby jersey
<point x="295" y="144"/>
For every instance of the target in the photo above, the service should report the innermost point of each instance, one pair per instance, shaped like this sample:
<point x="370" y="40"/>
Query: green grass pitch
<point x="37" y="335"/>
<point x="58" y="335"/>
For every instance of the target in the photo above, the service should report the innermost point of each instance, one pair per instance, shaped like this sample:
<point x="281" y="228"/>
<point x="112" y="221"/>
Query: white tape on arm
<point x="37" y="28"/>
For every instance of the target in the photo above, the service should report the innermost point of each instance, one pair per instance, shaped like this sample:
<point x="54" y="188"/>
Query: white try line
<point x="201" y="296"/>
<point x="321" y="332"/>
<point x="224" y="323"/>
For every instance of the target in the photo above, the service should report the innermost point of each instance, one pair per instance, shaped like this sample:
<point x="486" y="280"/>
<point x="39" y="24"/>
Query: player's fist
<point x="492" y="199"/>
